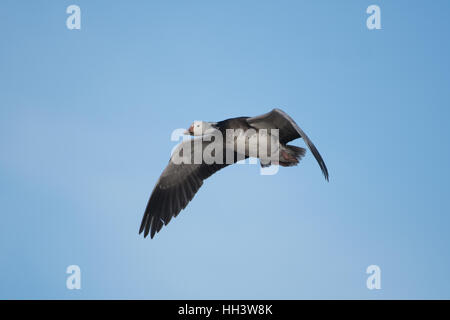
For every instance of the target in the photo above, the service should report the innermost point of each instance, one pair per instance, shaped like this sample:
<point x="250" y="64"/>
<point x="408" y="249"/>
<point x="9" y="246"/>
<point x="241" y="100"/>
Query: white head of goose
<point x="179" y="182"/>
<point x="199" y="128"/>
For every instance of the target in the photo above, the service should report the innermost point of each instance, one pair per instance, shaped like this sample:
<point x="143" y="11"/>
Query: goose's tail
<point x="291" y="155"/>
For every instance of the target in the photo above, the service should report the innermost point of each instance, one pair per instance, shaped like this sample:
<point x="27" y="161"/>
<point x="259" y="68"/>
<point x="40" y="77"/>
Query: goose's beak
<point x="190" y="131"/>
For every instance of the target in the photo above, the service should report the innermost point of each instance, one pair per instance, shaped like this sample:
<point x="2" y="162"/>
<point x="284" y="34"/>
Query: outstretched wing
<point x="288" y="130"/>
<point x="175" y="188"/>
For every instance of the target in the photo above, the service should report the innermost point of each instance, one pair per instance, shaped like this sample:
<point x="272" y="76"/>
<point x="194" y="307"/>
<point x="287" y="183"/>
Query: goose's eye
<point x="198" y="126"/>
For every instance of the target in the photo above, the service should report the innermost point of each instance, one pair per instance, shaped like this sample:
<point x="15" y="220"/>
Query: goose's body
<point x="179" y="182"/>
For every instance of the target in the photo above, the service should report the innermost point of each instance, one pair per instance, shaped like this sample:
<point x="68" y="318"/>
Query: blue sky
<point x="85" y="123"/>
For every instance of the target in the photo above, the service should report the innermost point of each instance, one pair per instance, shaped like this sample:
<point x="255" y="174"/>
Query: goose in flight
<point x="180" y="181"/>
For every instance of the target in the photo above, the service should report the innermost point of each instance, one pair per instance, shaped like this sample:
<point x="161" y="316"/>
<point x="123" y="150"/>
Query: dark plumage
<point x="179" y="183"/>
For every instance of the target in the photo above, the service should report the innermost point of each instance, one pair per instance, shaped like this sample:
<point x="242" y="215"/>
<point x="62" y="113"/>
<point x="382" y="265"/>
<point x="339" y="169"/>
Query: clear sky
<point x="85" y="123"/>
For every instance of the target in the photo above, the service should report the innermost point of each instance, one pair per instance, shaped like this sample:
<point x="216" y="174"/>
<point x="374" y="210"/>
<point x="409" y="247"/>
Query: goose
<point x="180" y="181"/>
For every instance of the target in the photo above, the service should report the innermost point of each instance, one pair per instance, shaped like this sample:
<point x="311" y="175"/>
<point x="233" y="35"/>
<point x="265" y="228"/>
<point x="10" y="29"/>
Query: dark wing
<point x="176" y="186"/>
<point x="288" y="130"/>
